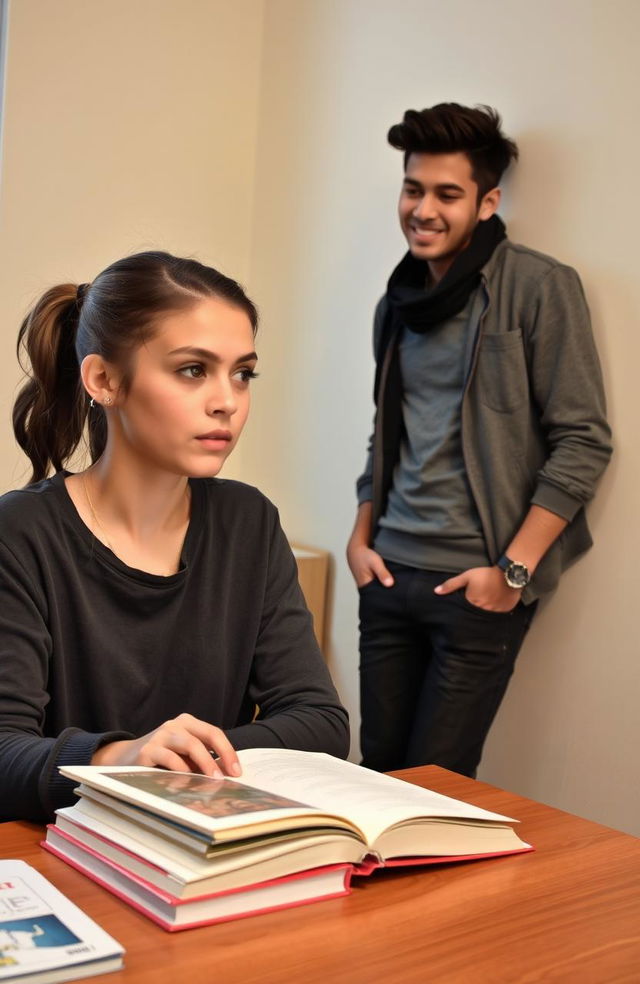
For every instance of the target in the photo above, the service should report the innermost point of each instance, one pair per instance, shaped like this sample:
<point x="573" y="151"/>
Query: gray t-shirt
<point x="431" y="521"/>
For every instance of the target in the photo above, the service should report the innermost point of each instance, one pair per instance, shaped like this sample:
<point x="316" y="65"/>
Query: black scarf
<point x="419" y="308"/>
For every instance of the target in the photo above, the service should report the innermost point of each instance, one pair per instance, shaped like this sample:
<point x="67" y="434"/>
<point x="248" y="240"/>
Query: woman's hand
<point x="184" y="744"/>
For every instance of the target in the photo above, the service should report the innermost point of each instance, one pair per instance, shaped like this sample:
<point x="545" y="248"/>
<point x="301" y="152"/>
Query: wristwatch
<point x="516" y="574"/>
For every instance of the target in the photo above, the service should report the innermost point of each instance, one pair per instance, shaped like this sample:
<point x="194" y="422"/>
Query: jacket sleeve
<point x="31" y="788"/>
<point x="364" y="484"/>
<point x="298" y="706"/>
<point x="568" y="391"/>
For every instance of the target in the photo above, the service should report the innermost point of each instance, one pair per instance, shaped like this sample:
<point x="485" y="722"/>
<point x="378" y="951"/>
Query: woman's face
<point x="189" y="395"/>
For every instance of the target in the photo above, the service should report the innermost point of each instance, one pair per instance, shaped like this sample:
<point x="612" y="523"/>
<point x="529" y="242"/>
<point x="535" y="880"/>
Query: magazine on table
<point x="44" y="937"/>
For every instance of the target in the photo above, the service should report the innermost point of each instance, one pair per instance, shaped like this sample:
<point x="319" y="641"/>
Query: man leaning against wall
<point x="489" y="438"/>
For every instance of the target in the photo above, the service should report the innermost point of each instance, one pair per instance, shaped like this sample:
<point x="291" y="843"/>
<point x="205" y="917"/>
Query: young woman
<point x="147" y="608"/>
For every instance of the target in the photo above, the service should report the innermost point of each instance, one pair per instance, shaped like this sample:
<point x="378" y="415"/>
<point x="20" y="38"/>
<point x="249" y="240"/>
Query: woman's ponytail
<point x="51" y="408"/>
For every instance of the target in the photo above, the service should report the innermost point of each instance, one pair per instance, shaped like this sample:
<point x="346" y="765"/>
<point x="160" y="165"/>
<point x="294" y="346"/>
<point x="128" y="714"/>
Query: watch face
<point x="517" y="575"/>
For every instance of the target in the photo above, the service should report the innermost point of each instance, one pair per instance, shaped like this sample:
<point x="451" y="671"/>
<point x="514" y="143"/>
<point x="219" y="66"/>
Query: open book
<point x="306" y="794"/>
<point x="193" y="837"/>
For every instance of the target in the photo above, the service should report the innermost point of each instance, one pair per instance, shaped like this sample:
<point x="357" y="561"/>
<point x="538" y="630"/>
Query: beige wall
<point x="253" y="135"/>
<point x="336" y="74"/>
<point x="128" y="125"/>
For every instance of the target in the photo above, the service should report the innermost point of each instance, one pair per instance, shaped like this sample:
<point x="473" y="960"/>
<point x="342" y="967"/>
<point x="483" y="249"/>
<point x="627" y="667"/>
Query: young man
<point x="489" y="438"/>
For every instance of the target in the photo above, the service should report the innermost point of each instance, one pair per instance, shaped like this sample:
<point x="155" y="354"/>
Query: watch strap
<point x="516" y="574"/>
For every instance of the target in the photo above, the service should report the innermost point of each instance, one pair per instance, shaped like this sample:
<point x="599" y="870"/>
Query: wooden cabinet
<point x="313" y="570"/>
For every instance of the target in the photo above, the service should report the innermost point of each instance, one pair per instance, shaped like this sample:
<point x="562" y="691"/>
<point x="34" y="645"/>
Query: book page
<point x="374" y="802"/>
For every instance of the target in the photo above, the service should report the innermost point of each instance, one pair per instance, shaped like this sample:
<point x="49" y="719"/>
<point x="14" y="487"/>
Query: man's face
<point x="439" y="208"/>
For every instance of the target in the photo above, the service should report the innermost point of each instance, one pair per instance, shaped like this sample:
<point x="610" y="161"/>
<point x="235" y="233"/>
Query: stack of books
<point x="295" y="828"/>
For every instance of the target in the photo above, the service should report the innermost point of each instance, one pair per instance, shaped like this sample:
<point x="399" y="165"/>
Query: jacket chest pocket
<point x="501" y="371"/>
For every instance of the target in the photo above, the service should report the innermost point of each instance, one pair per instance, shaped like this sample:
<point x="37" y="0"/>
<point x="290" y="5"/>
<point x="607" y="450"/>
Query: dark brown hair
<point x="110" y="317"/>
<point x="449" y="128"/>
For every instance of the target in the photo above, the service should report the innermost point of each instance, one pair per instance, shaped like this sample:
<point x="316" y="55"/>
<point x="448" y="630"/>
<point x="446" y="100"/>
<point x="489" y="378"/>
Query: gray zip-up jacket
<point x="534" y="430"/>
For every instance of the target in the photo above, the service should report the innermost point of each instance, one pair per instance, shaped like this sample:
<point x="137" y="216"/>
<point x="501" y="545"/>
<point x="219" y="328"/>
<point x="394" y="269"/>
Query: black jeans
<point x="433" y="670"/>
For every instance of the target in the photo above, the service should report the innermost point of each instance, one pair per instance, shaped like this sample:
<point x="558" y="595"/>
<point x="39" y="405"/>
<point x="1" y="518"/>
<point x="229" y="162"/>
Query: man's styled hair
<point x="449" y="128"/>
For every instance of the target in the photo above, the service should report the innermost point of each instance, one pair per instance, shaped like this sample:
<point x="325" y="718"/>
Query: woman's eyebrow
<point x="208" y="355"/>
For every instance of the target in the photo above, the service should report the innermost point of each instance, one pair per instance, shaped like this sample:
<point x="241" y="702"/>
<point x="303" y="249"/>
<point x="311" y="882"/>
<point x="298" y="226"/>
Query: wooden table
<point x="570" y="912"/>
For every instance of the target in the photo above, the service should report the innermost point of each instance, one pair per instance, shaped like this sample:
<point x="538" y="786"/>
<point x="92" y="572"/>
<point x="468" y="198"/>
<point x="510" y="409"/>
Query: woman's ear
<point x="100" y="380"/>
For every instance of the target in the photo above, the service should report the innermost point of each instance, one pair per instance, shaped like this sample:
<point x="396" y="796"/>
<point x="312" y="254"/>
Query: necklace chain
<point x="93" y="512"/>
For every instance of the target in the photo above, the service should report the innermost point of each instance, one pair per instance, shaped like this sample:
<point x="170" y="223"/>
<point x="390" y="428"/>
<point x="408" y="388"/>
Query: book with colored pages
<point x="44" y="937"/>
<point x="173" y="912"/>
<point x="191" y="836"/>
<point x="180" y="873"/>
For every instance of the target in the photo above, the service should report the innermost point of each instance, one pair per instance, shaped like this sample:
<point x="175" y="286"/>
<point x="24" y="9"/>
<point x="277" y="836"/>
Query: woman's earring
<point x="92" y="403"/>
<point x="108" y="401"/>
